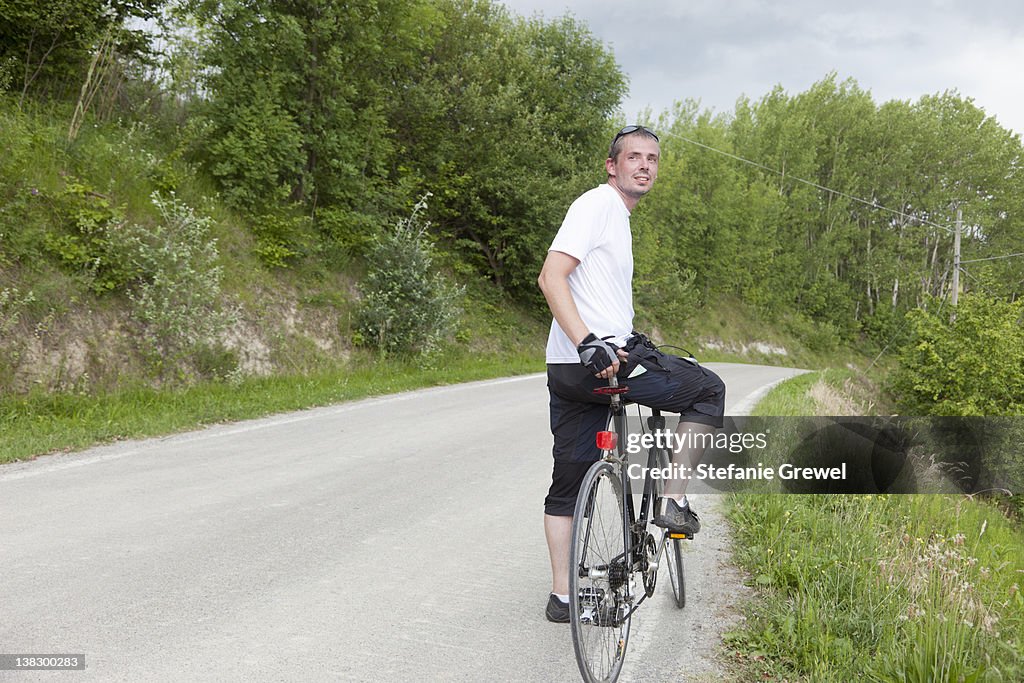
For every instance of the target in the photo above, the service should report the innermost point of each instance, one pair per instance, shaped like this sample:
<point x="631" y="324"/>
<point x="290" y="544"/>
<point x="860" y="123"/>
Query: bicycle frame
<point x="634" y="526"/>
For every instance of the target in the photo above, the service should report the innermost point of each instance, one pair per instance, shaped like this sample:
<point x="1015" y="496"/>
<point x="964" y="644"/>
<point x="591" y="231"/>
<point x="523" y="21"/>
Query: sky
<point x="715" y="51"/>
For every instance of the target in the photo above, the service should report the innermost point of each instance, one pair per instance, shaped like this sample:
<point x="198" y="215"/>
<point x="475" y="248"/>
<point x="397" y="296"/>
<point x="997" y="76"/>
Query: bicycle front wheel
<point x="599" y="600"/>
<point x="674" y="555"/>
<point x="673" y="549"/>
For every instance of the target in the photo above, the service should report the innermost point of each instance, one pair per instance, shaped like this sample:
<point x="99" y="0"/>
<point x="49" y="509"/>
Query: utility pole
<point x="956" y="260"/>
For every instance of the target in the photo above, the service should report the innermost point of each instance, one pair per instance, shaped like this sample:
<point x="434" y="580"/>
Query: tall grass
<point x="910" y="588"/>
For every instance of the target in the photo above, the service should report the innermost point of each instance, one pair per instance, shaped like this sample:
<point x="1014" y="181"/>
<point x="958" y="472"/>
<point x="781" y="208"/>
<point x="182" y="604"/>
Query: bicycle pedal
<point x="684" y="537"/>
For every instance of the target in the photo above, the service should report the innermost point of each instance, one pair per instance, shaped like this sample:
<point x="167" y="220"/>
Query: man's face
<point x="635" y="169"/>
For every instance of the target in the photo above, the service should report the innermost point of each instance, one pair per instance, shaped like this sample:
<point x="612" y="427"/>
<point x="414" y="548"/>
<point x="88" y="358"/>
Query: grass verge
<point x="45" y="423"/>
<point x="907" y="588"/>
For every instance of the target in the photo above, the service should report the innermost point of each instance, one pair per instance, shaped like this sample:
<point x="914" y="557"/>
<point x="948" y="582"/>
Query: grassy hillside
<point x="70" y="314"/>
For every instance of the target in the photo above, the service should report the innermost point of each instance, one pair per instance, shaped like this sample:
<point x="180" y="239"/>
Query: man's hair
<point x="617" y="141"/>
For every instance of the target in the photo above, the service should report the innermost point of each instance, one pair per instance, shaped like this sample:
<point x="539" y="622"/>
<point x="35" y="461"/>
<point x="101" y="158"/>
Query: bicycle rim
<point x="598" y="577"/>
<point x="674" y="555"/>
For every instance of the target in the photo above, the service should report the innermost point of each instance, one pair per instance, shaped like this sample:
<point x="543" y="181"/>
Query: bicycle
<point x="613" y="549"/>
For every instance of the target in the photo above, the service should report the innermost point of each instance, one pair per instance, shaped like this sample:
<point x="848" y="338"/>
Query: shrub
<point x="973" y="365"/>
<point x="407" y="306"/>
<point x="177" y="297"/>
<point x="666" y="298"/>
<point x="12" y="341"/>
<point x="282" y="238"/>
<point x="819" y="336"/>
<point x="89" y="242"/>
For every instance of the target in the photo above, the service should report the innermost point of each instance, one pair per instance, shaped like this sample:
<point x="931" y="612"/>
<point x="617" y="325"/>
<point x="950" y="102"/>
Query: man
<point x="587" y="281"/>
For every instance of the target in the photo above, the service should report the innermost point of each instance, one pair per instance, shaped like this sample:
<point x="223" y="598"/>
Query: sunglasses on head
<point x="632" y="129"/>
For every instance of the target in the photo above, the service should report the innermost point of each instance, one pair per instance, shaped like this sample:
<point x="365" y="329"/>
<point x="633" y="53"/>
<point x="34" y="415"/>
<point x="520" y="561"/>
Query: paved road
<point x="390" y="539"/>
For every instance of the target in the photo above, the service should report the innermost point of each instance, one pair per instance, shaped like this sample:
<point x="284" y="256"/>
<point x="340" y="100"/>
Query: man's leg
<point x="576" y="416"/>
<point x="692" y="439"/>
<point x="558" y="516"/>
<point x="558" y="531"/>
<point x="674" y="512"/>
<point x="676" y="385"/>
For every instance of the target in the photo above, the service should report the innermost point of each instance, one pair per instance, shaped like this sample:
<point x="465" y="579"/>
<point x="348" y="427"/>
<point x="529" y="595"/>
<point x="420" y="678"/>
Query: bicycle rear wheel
<point x="599" y="576"/>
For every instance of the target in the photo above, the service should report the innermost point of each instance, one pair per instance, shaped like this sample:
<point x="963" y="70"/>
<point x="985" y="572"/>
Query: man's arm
<point x="554" y="283"/>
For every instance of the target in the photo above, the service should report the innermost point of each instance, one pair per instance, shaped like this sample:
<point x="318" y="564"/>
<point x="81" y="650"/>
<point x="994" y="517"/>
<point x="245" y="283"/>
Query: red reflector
<point x="606" y="440"/>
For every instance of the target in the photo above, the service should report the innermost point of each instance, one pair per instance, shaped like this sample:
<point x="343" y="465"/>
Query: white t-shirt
<point x="596" y="232"/>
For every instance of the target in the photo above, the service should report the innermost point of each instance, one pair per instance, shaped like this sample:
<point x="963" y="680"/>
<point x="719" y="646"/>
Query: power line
<point x="978" y="283"/>
<point x="991" y="258"/>
<point x="872" y="204"/>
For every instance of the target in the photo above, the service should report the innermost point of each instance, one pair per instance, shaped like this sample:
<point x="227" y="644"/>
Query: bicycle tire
<point x="676" y="574"/>
<point x="598" y="617"/>
<point x="673" y="551"/>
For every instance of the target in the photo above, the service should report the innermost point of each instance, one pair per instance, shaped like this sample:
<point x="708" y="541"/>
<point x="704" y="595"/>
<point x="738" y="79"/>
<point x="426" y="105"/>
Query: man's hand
<point x="599" y="356"/>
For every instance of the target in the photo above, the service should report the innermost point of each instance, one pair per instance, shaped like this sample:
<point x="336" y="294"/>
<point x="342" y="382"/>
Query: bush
<point x="282" y="238"/>
<point x="89" y="243"/>
<point x="666" y="297"/>
<point x="973" y="365"/>
<point x="887" y="326"/>
<point x="819" y="336"/>
<point x="12" y="340"/>
<point x="407" y="306"/>
<point x="178" y="295"/>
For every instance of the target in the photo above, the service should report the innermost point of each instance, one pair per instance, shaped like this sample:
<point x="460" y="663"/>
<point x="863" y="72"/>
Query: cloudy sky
<point x="716" y="51"/>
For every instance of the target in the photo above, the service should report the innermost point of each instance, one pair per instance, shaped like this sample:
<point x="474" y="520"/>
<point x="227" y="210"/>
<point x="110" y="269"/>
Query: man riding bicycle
<point x="587" y="282"/>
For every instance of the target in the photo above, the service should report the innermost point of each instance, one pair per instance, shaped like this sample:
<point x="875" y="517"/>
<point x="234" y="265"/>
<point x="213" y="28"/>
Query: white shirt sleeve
<point x="582" y="229"/>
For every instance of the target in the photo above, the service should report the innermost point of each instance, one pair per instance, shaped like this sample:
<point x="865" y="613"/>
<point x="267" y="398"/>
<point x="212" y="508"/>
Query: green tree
<point x="362" y="106"/>
<point x="846" y="214"/>
<point x="505" y="121"/>
<point x="47" y="44"/>
<point x="299" y="97"/>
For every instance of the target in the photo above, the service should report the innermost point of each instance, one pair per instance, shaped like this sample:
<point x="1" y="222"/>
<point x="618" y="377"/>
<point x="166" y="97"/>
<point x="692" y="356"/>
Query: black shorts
<point x="669" y="383"/>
